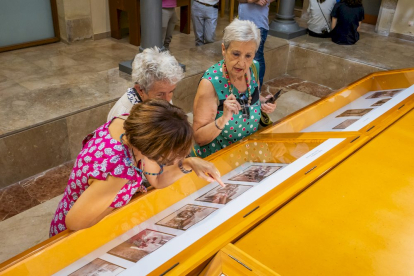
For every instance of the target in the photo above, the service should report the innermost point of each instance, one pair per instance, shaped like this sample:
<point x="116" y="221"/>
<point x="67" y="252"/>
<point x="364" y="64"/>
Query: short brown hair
<point x="353" y="3"/>
<point x="159" y="130"/>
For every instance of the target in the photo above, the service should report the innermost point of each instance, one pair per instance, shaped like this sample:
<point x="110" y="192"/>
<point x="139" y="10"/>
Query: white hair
<point x="241" y="30"/>
<point x="152" y="66"/>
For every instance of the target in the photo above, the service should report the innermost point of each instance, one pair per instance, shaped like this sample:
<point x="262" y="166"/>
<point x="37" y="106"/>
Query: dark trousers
<point x="325" y="35"/>
<point x="260" y="55"/>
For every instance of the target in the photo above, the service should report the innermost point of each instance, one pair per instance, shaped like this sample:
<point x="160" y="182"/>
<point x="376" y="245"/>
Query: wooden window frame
<point x="56" y="38"/>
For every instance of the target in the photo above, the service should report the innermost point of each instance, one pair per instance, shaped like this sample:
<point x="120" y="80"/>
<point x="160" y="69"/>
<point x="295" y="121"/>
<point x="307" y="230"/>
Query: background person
<point x="153" y="140"/>
<point x="155" y="75"/>
<point x="204" y="15"/>
<point x="257" y="11"/>
<point x="319" y="23"/>
<point x="228" y="104"/>
<point x="346" y="21"/>
<point x="169" y="19"/>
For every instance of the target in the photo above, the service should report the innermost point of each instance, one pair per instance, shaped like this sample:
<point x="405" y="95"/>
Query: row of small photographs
<point x="148" y="240"/>
<point x="363" y="111"/>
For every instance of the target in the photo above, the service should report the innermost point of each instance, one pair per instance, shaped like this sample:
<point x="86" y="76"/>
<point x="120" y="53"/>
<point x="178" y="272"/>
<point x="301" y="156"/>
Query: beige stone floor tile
<point x="8" y="57"/>
<point x="55" y="62"/>
<point x="26" y="229"/>
<point x="18" y="69"/>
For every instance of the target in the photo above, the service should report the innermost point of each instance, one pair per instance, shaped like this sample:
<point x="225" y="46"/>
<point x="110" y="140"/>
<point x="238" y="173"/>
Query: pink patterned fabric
<point x="101" y="156"/>
<point x="169" y="3"/>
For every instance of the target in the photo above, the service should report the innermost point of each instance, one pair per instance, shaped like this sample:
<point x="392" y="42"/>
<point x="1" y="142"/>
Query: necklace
<point x="129" y="162"/>
<point x="249" y="94"/>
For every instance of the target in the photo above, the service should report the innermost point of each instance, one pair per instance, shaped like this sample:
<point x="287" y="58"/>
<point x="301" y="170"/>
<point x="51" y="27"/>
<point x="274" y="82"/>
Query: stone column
<point x="386" y="17"/>
<point x="151" y="30"/>
<point x="284" y="25"/>
<point x="151" y="24"/>
<point x="75" y="20"/>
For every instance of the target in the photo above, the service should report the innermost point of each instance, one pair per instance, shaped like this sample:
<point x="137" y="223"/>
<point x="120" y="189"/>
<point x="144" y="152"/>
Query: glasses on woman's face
<point x="244" y="104"/>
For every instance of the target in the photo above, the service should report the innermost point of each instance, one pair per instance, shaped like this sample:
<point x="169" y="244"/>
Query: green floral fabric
<point x="238" y="127"/>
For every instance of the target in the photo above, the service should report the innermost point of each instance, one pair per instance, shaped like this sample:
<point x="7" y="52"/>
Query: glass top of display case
<point x="250" y="170"/>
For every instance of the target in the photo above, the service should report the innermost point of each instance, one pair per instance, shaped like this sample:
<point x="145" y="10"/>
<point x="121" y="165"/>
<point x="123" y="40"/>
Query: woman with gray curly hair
<point x="155" y="76"/>
<point x="228" y="104"/>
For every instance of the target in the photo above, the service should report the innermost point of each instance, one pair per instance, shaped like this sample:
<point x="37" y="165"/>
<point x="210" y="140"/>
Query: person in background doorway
<point x="319" y="23"/>
<point x="346" y="21"/>
<point x="169" y="19"/>
<point x="257" y="11"/>
<point x="204" y="15"/>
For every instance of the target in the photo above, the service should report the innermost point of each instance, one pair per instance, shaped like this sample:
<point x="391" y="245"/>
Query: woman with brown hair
<point x="153" y="140"/>
<point x="346" y="20"/>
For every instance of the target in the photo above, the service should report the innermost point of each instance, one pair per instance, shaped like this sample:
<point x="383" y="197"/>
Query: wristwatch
<point x="184" y="171"/>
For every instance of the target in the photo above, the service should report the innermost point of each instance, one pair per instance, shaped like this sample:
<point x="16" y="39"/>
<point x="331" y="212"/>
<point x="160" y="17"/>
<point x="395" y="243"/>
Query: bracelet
<point x="180" y="166"/>
<point x="215" y="122"/>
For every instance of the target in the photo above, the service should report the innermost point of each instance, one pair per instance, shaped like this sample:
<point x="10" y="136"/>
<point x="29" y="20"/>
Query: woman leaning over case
<point x="228" y="104"/>
<point x="153" y="140"/>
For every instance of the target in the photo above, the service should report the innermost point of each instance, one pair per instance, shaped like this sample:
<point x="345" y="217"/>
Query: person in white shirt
<point x="319" y="23"/>
<point x="155" y="76"/>
<point x="204" y="15"/>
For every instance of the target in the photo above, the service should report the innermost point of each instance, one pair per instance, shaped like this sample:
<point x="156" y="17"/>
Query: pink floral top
<point x="101" y="156"/>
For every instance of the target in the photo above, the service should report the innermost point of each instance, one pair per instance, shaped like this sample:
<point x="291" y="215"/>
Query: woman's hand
<point x="261" y="3"/>
<point x="230" y="107"/>
<point x="267" y="107"/>
<point x="203" y="169"/>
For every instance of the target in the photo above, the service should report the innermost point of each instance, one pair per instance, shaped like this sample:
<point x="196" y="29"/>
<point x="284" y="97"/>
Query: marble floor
<point x="41" y="84"/>
<point x="44" y="83"/>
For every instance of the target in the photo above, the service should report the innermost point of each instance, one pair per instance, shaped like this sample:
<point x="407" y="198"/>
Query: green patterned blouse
<point x="238" y="127"/>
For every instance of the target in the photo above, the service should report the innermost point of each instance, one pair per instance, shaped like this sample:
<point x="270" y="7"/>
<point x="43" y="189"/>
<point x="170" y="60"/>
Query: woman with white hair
<point x="228" y="104"/>
<point x="155" y="76"/>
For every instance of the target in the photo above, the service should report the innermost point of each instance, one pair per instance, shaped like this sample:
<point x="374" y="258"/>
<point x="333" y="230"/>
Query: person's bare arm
<point x="94" y="203"/>
<point x="334" y="21"/>
<point x="205" y="110"/>
<point x="359" y="26"/>
<point x="202" y="168"/>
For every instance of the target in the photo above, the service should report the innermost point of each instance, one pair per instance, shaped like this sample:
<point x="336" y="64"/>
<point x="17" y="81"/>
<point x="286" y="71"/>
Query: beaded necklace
<point x="249" y="94"/>
<point x="130" y="164"/>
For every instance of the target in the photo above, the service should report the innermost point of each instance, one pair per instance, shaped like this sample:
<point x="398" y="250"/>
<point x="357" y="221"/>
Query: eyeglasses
<point x="244" y="104"/>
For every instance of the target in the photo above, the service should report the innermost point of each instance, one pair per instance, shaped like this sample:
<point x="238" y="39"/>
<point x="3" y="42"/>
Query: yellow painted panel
<point x="356" y="220"/>
<point x="232" y="261"/>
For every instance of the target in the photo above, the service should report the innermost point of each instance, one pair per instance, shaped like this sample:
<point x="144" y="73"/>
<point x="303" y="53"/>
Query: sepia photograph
<point x="381" y="94"/>
<point x="187" y="216"/>
<point x="223" y="195"/>
<point x="255" y="173"/>
<point x="98" y="267"/>
<point x="345" y="124"/>
<point x="141" y="245"/>
<point x="381" y="102"/>
<point x="355" y="112"/>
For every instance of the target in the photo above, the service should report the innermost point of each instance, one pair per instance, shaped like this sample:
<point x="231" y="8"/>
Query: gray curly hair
<point x="152" y="65"/>
<point x="241" y="30"/>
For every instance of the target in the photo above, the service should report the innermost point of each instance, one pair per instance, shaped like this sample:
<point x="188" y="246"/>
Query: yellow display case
<point x="379" y="81"/>
<point x="356" y="220"/>
<point x="304" y="157"/>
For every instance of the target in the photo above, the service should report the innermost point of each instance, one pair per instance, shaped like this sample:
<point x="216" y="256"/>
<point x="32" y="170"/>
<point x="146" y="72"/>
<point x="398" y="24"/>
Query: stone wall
<point x="403" y="23"/>
<point x="83" y="19"/>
